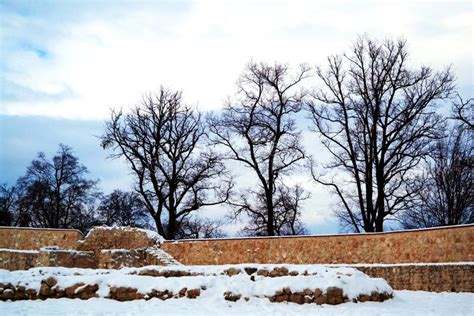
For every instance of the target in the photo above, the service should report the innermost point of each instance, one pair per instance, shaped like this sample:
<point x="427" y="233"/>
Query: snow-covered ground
<point x="403" y="303"/>
<point x="213" y="278"/>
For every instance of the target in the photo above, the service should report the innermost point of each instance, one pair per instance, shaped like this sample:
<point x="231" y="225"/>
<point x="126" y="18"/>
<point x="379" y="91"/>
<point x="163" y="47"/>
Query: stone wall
<point x="118" y="258"/>
<point x="426" y="277"/>
<point x="450" y="244"/>
<point x="26" y="259"/>
<point x="128" y="238"/>
<point x="34" y="239"/>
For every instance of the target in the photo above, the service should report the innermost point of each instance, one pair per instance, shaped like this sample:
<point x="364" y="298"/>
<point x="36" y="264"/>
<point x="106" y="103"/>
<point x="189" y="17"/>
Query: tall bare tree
<point x="376" y="117"/>
<point x="446" y="186"/>
<point x="163" y="141"/>
<point x="257" y="128"/>
<point x="56" y="193"/>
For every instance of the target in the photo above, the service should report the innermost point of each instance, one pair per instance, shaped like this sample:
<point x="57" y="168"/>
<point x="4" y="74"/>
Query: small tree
<point x="121" y="208"/>
<point x="376" y="118"/>
<point x="446" y="187"/>
<point x="164" y="144"/>
<point x="8" y="203"/>
<point x="56" y="194"/>
<point x="257" y="129"/>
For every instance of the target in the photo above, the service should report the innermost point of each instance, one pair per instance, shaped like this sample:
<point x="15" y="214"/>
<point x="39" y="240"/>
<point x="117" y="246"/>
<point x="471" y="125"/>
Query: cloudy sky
<point x="65" y="64"/>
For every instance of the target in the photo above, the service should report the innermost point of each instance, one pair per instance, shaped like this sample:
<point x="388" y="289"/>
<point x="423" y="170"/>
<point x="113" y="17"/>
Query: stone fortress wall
<point x="445" y="244"/>
<point x="438" y="259"/>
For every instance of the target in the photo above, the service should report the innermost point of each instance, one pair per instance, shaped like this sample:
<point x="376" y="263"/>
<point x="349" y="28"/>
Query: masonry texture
<point x="433" y="278"/>
<point x="34" y="239"/>
<point x="454" y="244"/>
<point x="404" y="259"/>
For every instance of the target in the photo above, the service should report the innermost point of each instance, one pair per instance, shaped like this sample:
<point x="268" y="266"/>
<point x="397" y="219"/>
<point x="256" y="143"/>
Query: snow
<point x="404" y="303"/>
<point x="157" y="238"/>
<point x="50" y="248"/>
<point x="368" y="265"/>
<point x="351" y="281"/>
<point x="18" y="250"/>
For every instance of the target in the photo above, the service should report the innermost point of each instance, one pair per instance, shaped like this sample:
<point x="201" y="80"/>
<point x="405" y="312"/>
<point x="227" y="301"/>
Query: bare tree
<point x="55" y="193"/>
<point x="196" y="227"/>
<point x="121" y="208"/>
<point x="376" y="118"/>
<point x="258" y="130"/>
<point x="464" y="111"/>
<point x="286" y="211"/>
<point x="446" y="187"/>
<point x="163" y="142"/>
<point x="8" y="203"/>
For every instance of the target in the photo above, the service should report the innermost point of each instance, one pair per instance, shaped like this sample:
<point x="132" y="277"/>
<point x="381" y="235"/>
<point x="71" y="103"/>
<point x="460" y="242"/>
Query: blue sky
<point x="63" y="65"/>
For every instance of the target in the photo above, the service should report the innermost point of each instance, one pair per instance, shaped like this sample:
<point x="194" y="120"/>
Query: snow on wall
<point x="210" y="280"/>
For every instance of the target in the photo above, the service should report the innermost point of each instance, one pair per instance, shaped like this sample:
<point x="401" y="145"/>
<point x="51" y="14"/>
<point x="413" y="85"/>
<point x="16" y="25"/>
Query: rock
<point x="31" y="294"/>
<point x="60" y="293"/>
<point x="294" y="273"/>
<point x="263" y="272"/>
<point x="334" y="296"/>
<point x="317" y="292"/>
<point x="71" y="290"/>
<point x="308" y="292"/>
<point x="87" y="291"/>
<point x="308" y="299"/>
<point x="182" y="292"/>
<point x="193" y="293"/>
<point x="277" y="272"/>
<point x="8" y="294"/>
<point x="250" y="271"/>
<point x="375" y="297"/>
<point x="232" y="271"/>
<point x="321" y="299"/>
<point x="364" y="298"/>
<point x="120" y="293"/>
<point x="51" y="281"/>
<point x="385" y="296"/>
<point x="45" y="290"/>
<point x="297" y="298"/>
<point x="287" y="290"/>
<point x="229" y="296"/>
<point x="282" y="298"/>
<point x="20" y="293"/>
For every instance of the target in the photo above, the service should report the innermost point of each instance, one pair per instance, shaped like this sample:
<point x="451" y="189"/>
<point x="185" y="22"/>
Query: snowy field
<point x="403" y="303"/>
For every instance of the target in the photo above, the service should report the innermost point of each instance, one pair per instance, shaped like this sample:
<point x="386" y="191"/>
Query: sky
<point x="65" y="64"/>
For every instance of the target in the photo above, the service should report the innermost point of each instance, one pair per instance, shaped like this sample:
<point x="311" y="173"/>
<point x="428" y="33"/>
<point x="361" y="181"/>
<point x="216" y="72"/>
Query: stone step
<point x="162" y="256"/>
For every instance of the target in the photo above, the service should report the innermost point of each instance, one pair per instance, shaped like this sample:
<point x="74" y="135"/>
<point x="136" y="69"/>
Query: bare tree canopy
<point x="464" y="111"/>
<point x="163" y="142"/>
<point x="8" y="203"/>
<point x="55" y="193"/>
<point x="446" y="187"/>
<point x="196" y="227"/>
<point x="257" y="129"/>
<point x="376" y="118"/>
<point x="121" y="208"/>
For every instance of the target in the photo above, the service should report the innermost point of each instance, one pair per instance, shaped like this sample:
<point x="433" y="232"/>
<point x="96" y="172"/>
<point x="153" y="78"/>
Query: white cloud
<point x="109" y="58"/>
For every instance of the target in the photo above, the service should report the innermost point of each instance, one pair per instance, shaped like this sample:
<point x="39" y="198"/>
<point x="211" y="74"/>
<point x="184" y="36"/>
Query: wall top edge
<point x="453" y="227"/>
